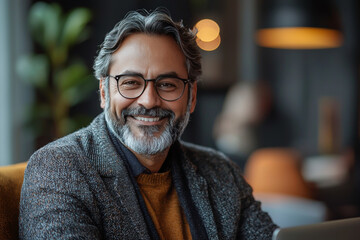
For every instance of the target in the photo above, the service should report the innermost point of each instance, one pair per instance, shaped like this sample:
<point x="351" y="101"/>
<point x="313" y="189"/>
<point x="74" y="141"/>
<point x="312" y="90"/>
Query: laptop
<point x="345" y="229"/>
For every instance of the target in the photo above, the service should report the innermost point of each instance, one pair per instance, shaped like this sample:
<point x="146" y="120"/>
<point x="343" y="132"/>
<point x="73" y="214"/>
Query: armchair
<point x="11" y="179"/>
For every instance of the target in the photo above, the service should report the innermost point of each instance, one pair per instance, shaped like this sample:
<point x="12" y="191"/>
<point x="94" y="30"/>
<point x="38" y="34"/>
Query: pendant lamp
<point x="298" y="24"/>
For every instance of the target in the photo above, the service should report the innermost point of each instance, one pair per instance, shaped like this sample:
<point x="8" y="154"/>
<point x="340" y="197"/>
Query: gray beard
<point x="147" y="143"/>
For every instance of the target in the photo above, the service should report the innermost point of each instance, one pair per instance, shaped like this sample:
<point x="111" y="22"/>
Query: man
<point x="127" y="175"/>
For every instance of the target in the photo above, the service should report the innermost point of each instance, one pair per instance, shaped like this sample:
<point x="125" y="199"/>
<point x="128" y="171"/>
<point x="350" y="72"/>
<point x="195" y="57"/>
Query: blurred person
<point x="250" y="120"/>
<point x="128" y="175"/>
<point x="234" y="126"/>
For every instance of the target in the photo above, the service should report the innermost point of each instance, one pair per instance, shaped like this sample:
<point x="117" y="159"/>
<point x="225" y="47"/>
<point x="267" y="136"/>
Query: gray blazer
<point x="78" y="188"/>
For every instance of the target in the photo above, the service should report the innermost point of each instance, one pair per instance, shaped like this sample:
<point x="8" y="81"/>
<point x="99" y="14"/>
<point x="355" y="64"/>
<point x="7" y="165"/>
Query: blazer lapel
<point x="114" y="173"/>
<point x="199" y="193"/>
<point x="124" y="194"/>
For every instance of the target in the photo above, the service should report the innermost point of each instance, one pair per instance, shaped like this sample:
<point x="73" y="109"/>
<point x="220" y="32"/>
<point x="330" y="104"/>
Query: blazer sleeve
<point x="56" y="202"/>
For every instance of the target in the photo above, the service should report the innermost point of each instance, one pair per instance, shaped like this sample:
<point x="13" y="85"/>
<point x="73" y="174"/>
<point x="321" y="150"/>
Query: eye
<point x="130" y="82"/>
<point x="168" y="84"/>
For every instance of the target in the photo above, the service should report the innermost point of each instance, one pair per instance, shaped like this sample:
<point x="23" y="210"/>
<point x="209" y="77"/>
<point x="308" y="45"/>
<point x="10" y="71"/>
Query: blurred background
<point x="279" y="92"/>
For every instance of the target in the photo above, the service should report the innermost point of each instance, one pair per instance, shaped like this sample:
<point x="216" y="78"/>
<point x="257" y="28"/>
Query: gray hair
<point x="157" y="22"/>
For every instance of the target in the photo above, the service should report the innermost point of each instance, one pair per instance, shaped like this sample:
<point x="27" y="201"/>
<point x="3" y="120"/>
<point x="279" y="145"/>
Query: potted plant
<point x="61" y="81"/>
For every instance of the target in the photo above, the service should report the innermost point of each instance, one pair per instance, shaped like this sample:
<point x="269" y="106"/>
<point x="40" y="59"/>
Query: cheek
<point x="118" y="103"/>
<point x="179" y="108"/>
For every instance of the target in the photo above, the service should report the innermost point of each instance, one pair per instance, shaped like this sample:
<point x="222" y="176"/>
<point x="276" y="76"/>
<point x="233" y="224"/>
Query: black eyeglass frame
<point x="117" y="78"/>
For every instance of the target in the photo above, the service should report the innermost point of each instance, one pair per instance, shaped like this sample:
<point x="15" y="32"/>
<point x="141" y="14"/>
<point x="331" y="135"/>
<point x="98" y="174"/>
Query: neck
<point x="152" y="162"/>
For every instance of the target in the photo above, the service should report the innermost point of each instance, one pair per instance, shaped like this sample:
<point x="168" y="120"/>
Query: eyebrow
<point x="167" y="74"/>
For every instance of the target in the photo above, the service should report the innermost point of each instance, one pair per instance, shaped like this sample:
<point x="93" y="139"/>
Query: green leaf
<point x="52" y="26"/>
<point x="75" y="83"/>
<point x="45" y="24"/>
<point x="71" y="76"/>
<point x="80" y="92"/>
<point x="34" y="69"/>
<point x="37" y="21"/>
<point x="74" y="26"/>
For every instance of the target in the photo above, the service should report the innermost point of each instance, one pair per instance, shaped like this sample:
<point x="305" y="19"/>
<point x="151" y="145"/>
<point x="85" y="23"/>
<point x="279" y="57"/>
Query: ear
<point x="193" y="99"/>
<point x="102" y="93"/>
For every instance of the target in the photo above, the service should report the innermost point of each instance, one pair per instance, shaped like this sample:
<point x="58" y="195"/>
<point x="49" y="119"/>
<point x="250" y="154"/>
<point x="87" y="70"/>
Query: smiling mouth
<point x="147" y="119"/>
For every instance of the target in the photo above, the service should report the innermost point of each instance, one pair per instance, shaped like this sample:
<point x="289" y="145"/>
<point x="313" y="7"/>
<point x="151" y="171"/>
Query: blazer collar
<point x="198" y="188"/>
<point x="103" y="156"/>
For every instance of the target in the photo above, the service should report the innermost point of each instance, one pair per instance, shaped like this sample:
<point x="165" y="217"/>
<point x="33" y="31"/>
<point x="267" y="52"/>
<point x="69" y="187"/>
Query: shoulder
<point x="224" y="178"/>
<point x="65" y="147"/>
<point x="67" y="152"/>
<point x="214" y="165"/>
<point x="75" y="145"/>
<point x="57" y="160"/>
<point x="206" y="157"/>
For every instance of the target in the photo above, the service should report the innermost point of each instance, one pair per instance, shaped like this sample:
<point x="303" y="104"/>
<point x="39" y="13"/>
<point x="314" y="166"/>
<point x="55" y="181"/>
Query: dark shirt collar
<point x="136" y="167"/>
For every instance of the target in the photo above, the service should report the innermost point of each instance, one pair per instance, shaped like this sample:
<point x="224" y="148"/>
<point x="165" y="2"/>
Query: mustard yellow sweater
<point x="163" y="205"/>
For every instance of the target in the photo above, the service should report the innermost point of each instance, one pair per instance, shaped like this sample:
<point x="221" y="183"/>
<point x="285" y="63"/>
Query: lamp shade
<point x="298" y="24"/>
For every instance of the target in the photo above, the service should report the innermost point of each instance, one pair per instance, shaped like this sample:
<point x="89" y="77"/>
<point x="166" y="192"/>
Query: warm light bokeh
<point x="208" y="34"/>
<point x="209" y="46"/>
<point x="299" y="38"/>
<point x="208" y="30"/>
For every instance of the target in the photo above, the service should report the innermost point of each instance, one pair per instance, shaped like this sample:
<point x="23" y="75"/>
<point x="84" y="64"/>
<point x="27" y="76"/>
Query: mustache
<point x="152" y="112"/>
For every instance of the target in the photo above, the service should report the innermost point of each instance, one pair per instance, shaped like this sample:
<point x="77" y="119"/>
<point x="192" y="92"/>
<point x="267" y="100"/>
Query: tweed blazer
<point x="78" y="188"/>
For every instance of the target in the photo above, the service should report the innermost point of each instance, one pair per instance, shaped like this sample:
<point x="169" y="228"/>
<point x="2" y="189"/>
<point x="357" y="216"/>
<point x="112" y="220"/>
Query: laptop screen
<point x="345" y="229"/>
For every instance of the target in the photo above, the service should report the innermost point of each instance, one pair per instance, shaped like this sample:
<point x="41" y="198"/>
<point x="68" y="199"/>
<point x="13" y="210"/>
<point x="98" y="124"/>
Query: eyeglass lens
<point x="168" y="88"/>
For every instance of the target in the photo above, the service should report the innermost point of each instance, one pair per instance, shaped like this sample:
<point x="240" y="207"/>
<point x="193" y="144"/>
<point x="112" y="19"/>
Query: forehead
<point x="149" y="53"/>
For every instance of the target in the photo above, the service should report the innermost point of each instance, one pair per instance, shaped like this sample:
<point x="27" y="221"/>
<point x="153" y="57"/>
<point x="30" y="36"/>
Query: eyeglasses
<point x="168" y="87"/>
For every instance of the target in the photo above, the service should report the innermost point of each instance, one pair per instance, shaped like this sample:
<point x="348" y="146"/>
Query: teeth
<point x="147" y="119"/>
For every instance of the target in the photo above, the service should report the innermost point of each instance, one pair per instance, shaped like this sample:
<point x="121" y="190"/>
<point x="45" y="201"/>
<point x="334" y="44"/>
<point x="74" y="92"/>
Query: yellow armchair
<point x="11" y="179"/>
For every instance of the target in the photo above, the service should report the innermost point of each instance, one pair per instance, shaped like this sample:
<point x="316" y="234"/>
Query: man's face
<point x="147" y="124"/>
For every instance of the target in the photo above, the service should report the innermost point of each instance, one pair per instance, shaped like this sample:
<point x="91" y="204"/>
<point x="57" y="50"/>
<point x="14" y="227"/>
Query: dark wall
<point x="300" y="79"/>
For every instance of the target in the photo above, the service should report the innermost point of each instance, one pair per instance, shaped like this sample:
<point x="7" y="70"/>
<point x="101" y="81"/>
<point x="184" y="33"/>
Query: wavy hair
<point x="156" y="22"/>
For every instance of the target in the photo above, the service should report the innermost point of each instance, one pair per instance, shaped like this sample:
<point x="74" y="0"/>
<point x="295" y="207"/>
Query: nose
<point x="149" y="98"/>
